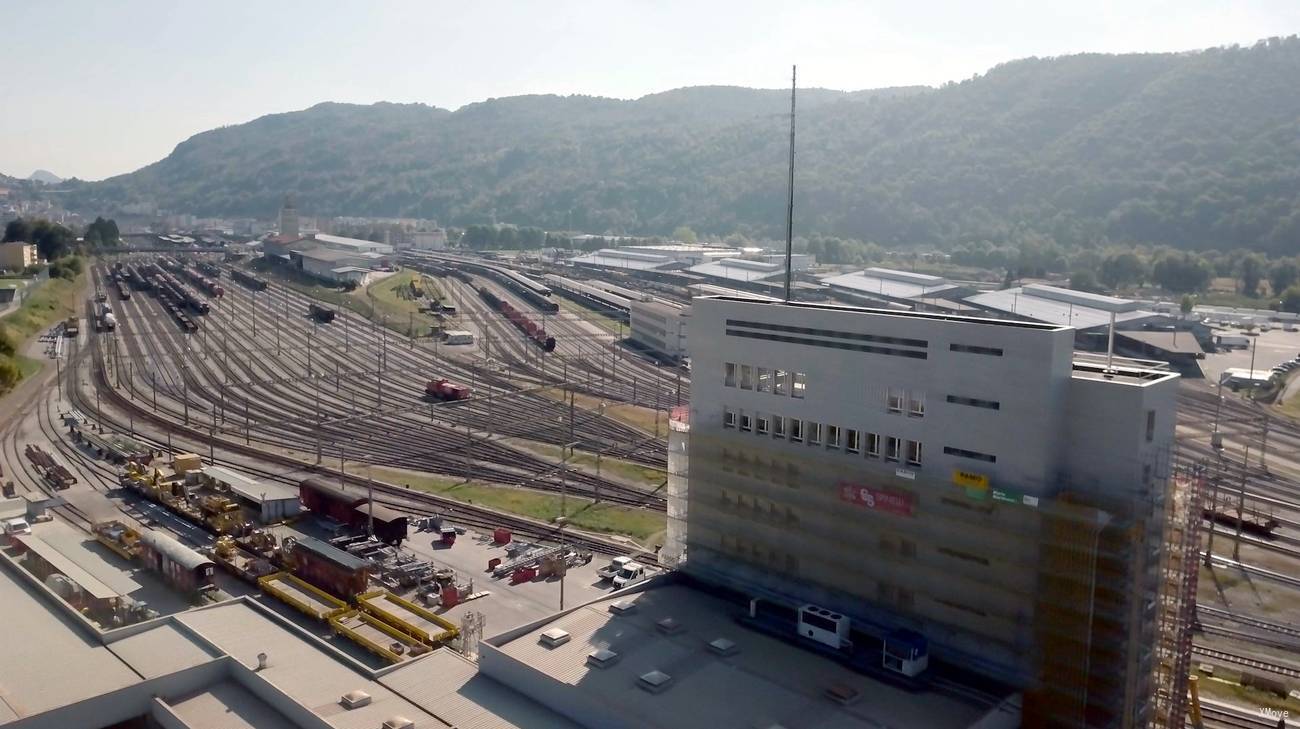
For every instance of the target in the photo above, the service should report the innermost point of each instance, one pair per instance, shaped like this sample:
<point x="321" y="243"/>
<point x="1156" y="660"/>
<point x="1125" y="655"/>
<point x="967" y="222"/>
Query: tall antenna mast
<point x="789" y="208"/>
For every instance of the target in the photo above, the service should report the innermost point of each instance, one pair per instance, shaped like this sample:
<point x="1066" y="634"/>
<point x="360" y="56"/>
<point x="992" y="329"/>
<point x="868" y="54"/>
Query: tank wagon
<point x="521" y="321"/>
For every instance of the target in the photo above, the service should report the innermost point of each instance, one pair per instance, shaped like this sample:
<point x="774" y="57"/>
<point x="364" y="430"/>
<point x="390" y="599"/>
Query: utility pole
<point x="1214" y="510"/>
<point x="1241" y="503"/>
<point x="1263" y="446"/>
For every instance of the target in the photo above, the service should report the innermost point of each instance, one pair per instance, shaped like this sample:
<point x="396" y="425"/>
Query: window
<point x="796" y="430"/>
<point x="746" y="423"/>
<point x="851" y="440"/>
<point x="916" y="405"/>
<point x="746" y="377"/>
<point x="975" y="402"/>
<point x="1151" y="425"/>
<point x="914" y="452"/>
<point x="729" y="379"/>
<point x="814" y="433"/>
<point x="894" y="400"/>
<point x="778" y="426"/>
<point x="973" y="455"/>
<point x="972" y="349"/>
<point x="800" y="386"/>
<point x="832" y="436"/>
<point x="728" y="418"/>
<point x="782" y="384"/>
<point x="892" y="447"/>
<point x="873" y="445"/>
<point x="764" y="379"/>
<point x="762" y="426"/>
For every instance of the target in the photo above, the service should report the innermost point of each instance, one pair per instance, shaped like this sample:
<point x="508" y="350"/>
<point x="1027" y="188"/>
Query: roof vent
<point x="722" y="646"/>
<point x="654" y="681"/>
<point x="669" y="626"/>
<point x="622" y="607"/>
<point x="602" y="658"/>
<point x="398" y="722"/>
<point x="355" y="699"/>
<point x="554" y="638"/>
<point x="842" y="694"/>
<point x="262" y="660"/>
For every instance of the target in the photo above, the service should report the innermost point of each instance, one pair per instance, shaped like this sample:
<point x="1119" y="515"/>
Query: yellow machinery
<point x="377" y="636"/>
<point x="430" y="628"/>
<point x="118" y="537"/>
<point x="302" y="596"/>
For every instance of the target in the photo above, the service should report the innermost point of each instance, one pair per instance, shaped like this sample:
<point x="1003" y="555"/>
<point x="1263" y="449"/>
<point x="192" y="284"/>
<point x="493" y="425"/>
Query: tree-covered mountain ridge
<point x="1195" y="150"/>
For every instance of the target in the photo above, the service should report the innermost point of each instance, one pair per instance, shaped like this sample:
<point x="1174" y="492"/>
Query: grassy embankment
<point x="633" y="415"/>
<point x="387" y="300"/>
<point x="49" y="303"/>
<point x="639" y="524"/>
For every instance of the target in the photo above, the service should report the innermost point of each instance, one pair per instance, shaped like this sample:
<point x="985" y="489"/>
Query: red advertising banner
<point x="873" y="498"/>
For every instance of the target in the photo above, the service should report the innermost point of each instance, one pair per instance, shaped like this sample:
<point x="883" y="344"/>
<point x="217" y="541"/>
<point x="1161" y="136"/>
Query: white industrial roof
<point x="43" y="651"/>
<point x="766" y="682"/>
<point x="891" y="284"/>
<point x="345" y="242"/>
<point x="161" y="650"/>
<point x="251" y="488"/>
<point x="612" y="258"/>
<point x="1051" y="305"/>
<point x="737" y="269"/>
<point x="227" y="705"/>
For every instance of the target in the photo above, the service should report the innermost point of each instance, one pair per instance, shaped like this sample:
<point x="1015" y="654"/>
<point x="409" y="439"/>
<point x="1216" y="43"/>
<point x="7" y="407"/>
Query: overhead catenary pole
<point x="789" y="208"/>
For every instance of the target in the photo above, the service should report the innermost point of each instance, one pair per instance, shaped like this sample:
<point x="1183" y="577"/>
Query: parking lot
<point x="1270" y="349"/>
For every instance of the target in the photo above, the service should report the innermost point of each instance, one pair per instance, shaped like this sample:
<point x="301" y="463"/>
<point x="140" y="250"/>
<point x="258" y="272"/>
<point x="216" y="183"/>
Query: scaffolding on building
<point x="1178" y="598"/>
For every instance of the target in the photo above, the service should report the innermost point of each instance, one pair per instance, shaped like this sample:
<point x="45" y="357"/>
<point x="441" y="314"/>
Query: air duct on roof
<point x="554" y="638"/>
<point x="654" y="681"/>
<point x="602" y="658"/>
<point x="355" y="699"/>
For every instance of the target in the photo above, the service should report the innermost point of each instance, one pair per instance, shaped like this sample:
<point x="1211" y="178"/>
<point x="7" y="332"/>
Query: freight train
<point x="209" y="269"/>
<point x="520" y="320"/>
<point x="320" y="313"/>
<point x="248" y="280"/>
<point x="205" y="284"/>
<point x="123" y="291"/>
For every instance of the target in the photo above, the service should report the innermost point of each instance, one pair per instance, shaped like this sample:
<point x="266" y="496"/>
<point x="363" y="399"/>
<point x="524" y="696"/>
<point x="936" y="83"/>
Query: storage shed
<point x="273" y="502"/>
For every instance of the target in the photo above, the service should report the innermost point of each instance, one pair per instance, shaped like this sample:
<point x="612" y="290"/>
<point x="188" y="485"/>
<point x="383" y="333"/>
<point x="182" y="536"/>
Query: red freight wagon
<point x="446" y="390"/>
<point x="327" y="500"/>
<point x="331" y="569"/>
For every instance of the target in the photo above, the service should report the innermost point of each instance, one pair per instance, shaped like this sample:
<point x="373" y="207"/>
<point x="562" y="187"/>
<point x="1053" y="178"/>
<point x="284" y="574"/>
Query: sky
<point x="94" y="89"/>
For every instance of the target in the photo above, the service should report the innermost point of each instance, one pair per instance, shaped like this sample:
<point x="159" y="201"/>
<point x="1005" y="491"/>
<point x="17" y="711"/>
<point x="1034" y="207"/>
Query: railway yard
<point x="544" y="405"/>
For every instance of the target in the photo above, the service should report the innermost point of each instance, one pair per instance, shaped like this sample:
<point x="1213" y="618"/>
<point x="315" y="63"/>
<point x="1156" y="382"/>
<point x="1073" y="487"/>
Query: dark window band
<point x="829" y="333"/>
<point x="911" y="353"/>
<point x="973" y="349"/>
<point x="973" y="455"/>
<point x="975" y="402"/>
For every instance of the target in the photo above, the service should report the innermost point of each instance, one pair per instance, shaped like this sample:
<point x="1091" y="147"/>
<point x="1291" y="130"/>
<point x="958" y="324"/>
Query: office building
<point x="289" y="218"/>
<point x="16" y="256"/>
<point x="659" y="326"/>
<point x="974" y="481"/>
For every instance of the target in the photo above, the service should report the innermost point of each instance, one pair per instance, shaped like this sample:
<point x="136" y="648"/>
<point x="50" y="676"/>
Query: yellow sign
<point x="970" y="480"/>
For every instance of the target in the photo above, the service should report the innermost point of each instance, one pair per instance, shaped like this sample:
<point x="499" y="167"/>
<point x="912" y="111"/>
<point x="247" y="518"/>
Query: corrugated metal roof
<point x="88" y="583"/>
<point x="1052" y="311"/>
<point x="448" y="686"/>
<point x="251" y="488"/>
<point x="736" y="269"/>
<point x="891" y="284"/>
<point x="621" y="259"/>
<point x="43" y="650"/>
<point x="227" y="705"/>
<point x="327" y="551"/>
<point x="161" y="650"/>
<point x="88" y="555"/>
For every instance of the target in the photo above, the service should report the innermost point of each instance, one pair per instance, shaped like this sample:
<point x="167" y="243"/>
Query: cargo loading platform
<point x="408" y="617"/>
<point x="302" y="596"/>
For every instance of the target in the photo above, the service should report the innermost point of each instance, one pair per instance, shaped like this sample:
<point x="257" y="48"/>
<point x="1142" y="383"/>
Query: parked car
<point x="17" y="525"/>
<point x="632" y="573"/>
<point x="615" y="566"/>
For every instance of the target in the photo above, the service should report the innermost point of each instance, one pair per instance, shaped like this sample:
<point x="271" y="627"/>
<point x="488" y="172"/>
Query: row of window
<point x="834" y="437"/>
<point x="763" y="379"/>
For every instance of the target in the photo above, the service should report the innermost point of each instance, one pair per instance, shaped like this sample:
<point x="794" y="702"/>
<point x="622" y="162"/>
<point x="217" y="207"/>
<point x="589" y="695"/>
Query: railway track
<point x="1245" y="661"/>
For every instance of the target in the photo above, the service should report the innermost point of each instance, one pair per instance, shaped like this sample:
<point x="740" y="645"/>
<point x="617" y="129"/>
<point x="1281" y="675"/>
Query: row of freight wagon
<point x="522" y="321"/>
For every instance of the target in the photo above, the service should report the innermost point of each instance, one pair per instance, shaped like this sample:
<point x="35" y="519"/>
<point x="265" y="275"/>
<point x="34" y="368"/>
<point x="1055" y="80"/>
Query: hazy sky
<point x="95" y="88"/>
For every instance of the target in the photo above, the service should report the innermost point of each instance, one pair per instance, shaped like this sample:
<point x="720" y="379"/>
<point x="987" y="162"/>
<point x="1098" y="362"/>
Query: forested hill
<point x="1195" y="150"/>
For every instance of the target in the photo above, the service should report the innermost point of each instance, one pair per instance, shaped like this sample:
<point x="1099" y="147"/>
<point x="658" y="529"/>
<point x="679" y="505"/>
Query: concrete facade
<point x="659" y="326"/>
<point x="16" y="256"/>
<point x="907" y="470"/>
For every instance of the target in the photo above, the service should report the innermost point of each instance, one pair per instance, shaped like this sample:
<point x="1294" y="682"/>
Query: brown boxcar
<point x="178" y="564"/>
<point x="328" y="500"/>
<point x="390" y="525"/>
<point x="331" y="569"/>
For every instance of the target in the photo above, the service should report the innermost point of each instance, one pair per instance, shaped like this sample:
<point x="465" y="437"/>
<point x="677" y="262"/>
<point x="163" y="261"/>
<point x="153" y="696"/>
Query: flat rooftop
<point x="892" y="284"/>
<point x="765" y="682"/>
<point x="251" y="488"/>
<point x="1054" y="305"/>
<point x="843" y="308"/>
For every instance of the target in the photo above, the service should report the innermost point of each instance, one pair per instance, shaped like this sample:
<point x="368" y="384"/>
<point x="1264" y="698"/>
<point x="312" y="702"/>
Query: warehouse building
<point x="659" y="326"/>
<point x="884" y="286"/>
<point x="273" y="502"/>
<point x="966" y="480"/>
<point x="335" y="265"/>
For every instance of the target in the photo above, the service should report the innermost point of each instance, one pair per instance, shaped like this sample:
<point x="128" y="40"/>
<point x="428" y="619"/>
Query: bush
<point x="69" y="268"/>
<point x="34" y="270"/>
<point x="7" y="344"/>
<point x="9" y="374"/>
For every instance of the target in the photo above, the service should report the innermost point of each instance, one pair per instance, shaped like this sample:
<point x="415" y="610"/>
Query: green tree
<point x="1283" y="274"/>
<point x="1084" y="281"/>
<point x="1291" y="300"/>
<point x="7" y="344"/>
<point x="52" y="240"/>
<point x="18" y="229"/>
<point x="685" y="234"/>
<point x="1187" y="304"/>
<point x="1121" y="269"/>
<point x="1252" y="272"/>
<point x="1181" y="273"/>
<point x="9" y="375"/>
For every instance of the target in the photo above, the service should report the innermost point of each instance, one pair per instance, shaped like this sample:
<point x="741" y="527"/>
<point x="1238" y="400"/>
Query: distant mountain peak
<point x="45" y="176"/>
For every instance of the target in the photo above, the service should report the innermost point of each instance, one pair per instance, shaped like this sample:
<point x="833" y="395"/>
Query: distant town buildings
<point x="16" y="256"/>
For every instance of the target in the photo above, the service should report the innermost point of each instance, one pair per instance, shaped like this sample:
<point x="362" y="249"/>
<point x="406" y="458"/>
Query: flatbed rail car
<point x="521" y="321"/>
<point x="430" y="628"/>
<point x="248" y="279"/>
<point x="377" y="637"/>
<point x="322" y="314"/>
<point x="112" y="448"/>
<point x="240" y="562"/>
<point x="302" y="596"/>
